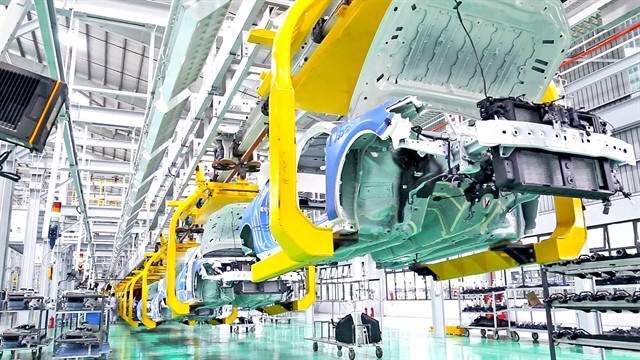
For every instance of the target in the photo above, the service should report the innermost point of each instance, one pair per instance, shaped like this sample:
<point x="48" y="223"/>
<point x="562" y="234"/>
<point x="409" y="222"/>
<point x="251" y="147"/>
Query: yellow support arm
<point x="178" y="307"/>
<point x="326" y="82"/>
<point x="231" y="318"/>
<point x="128" y="316"/>
<point x="216" y="196"/>
<point x="301" y="304"/>
<point x="565" y="243"/>
<point x="145" y="283"/>
<point x="310" y="297"/>
<point x="261" y="36"/>
<point x="288" y="224"/>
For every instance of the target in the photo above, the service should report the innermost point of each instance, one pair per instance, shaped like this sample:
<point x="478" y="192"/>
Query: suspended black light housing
<point x="29" y="105"/>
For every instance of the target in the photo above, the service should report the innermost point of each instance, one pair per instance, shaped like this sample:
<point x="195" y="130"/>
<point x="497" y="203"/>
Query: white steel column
<point x="10" y="22"/>
<point x="6" y="202"/>
<point x="31" y="230"/>
<point x="437" y="308"/>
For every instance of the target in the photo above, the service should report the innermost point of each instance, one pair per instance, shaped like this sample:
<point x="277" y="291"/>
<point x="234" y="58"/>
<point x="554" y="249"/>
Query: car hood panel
<point x="421" y="49"/>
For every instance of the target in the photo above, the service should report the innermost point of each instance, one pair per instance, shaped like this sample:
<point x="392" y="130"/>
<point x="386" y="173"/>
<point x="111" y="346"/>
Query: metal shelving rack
<point x="359" y="291"/>
<point x="41" y="327"/>
<point x="621" y="265"/>
<point x="535" y="333"/>
<point x="479" y="297"/>
<point x="81" y="348"/>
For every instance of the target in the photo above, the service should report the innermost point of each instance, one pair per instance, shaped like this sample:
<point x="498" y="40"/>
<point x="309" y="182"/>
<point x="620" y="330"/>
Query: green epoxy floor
<point x="280" y="342"/>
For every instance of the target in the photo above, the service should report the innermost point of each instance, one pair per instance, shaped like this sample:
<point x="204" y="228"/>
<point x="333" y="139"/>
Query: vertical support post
<point x="6" y="202"/>
<point x="588" y="321"/>
<point x="437" y="309"/>
<point x="547" y="307"/>
<point x="31" y="231"/>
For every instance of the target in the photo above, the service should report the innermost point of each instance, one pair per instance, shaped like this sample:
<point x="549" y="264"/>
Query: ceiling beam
<point x="91" y="115"/>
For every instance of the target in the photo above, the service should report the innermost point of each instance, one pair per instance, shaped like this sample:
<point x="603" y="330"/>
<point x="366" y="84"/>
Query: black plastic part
<point x="373" y="328"/>
<point x="317" y="32"/>
<point x="522" y="254"/>
<point x="545" y="173"/>
<point x="519" y="110"/>
<point x="345" y="330"/>
<point x="423" y="270"/>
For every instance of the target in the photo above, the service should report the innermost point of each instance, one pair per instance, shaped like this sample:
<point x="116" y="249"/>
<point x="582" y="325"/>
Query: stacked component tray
<point x="25" y="337"/>
<point x="622" y="270"/>
<point x="82" y="326"/>
<point x="484" y="302"/>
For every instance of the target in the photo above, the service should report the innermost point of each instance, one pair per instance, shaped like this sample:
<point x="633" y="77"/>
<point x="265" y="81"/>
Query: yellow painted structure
<point x="324" y="84"/>
<point x="565" y="243"/>
<point x="215" y="196"/>
<point x="288" y="224"/>
<point x="150" y="274"/>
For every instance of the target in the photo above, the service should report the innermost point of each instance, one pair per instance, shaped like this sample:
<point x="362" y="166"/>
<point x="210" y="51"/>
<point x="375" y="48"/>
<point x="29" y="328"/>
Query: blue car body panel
<point x="182" y="293"/>
<point x="342" y="136"/>
<point x="139" y="310"/>
<point x="256" y="216"/>
<point x="154" y="308"/>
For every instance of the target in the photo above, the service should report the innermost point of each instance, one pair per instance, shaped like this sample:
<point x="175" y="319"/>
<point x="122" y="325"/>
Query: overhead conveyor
<point x="151" y="272"/>
<point x="208" y="198"/>
<point x="565" y="243"/>
<point x="336" y="63"/>
<point x="125" y="296"/>
<point x="301" y="304"/>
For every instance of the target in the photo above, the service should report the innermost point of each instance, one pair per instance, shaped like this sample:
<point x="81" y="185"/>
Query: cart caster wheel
<point x="236" y="330"/>
<point x="352" y="354"/>
<point x="315" y="346"/>
<point x="496" y="336"/>
<point x="289" y="321"/>
<point x="483" y="332"/>
<point x="276" y="322"/>
<point x="466" y="333"/>
<point x="252" y="329"/>
<point x="535" y="336"/>
<point x="514" y="336"/>
<point x="339" y="347"/>
<point x="13" y="354"/>
<point x="379" y="352"/>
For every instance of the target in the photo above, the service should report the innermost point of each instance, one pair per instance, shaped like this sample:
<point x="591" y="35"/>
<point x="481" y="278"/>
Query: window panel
<point x="400" y="287"/>
<point x="595" y="239"/>
<point x="391" y="286"/>
<point x="421" y="287"/>
<point x="621" y="235"/>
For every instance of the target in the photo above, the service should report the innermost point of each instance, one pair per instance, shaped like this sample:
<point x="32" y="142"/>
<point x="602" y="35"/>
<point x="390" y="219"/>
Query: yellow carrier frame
<point x="216" y="196"/>
<point x="325" y="84"/>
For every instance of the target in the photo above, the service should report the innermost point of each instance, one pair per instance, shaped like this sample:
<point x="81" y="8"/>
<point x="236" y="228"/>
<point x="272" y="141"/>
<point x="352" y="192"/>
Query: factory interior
<point x="320" y="179"/>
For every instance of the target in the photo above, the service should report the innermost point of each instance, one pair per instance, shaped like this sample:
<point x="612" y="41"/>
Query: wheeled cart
<point x="31" y="339"/>
<point x="363" y="335"/>
<point x="36" y="350"/>
<point x="82" y="327"/>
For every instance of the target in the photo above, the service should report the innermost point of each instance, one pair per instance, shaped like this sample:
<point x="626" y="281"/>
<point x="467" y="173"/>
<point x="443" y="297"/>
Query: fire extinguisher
<point x="51" y="322"/>
<point x="366" y="311"/>
<point x="372" y="312"/>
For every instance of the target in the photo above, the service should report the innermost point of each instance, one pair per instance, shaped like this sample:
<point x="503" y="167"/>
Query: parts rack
<point x="82" y="326"/>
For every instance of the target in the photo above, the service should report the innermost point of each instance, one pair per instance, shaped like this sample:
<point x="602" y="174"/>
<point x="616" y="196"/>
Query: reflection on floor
<point x="282" y="341"/>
